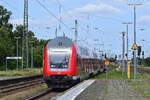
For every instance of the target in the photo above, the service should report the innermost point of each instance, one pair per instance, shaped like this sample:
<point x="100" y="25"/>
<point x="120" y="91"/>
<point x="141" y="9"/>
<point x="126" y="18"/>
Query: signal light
<point x="139" y="50"/>
<point x="142" y="52"/>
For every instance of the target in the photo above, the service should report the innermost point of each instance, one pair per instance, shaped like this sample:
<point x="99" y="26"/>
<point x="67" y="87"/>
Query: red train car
<point x="65" y="63"/>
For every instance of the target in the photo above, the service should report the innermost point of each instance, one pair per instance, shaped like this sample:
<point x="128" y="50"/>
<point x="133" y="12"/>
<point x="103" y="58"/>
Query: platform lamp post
<point x="17" y="38"/>
<point x="127" y="37"/>
<point x="135" y="62"/>
<point x="31" y="42"/>
<point x="123" y="51"/>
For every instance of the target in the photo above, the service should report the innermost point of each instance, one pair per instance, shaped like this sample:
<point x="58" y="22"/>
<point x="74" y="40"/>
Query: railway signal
<point x="134" y="47"/>
<point x="139" y="50"/>
<point x="106" y="62"/>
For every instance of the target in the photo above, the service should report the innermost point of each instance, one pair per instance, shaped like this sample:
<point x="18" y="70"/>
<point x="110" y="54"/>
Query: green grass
<point x="117" y="74"/>
<point x="24" y="72"/>
<point x="141" y="85"/>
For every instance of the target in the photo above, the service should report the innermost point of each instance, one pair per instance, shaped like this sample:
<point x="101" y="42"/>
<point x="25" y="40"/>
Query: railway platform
<point x="6" y="78"/>
<point x="108" y="90"/>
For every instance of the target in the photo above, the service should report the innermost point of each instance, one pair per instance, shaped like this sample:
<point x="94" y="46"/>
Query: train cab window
<point x="59" y="59"/>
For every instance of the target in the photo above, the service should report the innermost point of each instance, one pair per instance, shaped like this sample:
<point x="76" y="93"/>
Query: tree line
<point x="8" y="42"/>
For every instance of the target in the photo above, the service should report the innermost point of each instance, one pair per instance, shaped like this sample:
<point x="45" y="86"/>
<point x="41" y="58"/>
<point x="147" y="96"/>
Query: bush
<point x="2" y="68"/>
<point x="147" y="61"/>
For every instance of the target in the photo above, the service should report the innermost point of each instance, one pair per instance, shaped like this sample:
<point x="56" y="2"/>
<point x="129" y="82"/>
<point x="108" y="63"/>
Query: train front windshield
<point x="59" y="59"/>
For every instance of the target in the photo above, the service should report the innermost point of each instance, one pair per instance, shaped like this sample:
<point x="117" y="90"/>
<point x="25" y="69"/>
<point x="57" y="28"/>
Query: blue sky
<point x="106" y="15"/>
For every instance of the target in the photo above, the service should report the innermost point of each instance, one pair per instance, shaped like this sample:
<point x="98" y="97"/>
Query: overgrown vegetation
<point x="8" y="42"/>
<point x="117" y="74"/>
<point x="147" y="62"/>
<point x="21" y="72"/>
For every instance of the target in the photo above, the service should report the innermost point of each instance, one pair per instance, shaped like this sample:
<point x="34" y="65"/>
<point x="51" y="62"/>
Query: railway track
<point x="51" y="94"/>
<point x="46" y="95"/>
<point x="6" y="82"/>
<point x="11" y="86"/>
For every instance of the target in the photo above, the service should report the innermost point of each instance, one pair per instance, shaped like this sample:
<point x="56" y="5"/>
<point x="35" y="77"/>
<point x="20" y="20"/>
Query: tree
<point x="147" y="61"/>
<point x="38" y="52"/>
<point x="33" y="41"/>
<point x="6" y="45"/>
<point x="4" y="18"/>
<point x="8" y="42"/>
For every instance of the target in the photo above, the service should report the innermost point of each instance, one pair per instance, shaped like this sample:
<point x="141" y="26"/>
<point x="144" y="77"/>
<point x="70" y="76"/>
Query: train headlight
<point x="52" y="65"/>
<point x="65" y="66"/>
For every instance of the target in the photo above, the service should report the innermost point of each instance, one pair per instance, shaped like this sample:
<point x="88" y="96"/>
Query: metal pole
<point x="127" y="56"/>
<point x="31" y="55"/>
<point x="135" y="42"/>
<point x="27" y="43"/>
<point x="123" y="51"/>
<point x="26" y="31"/>
<point x="17" y="52"/>
<point x="17" y="38"/>
<point x="134" y="24"/>
<point x="56" y="32"/>
<point x="127" y="44"/>
<point x="22" y="50"/>
<point x="135" y="61"/>
<point x="127" y="50"/>
<point x="76" y="31"/>
<point x="142" y="60"/>
<point x="60" y="18"/>
<point x="6" y="64"/>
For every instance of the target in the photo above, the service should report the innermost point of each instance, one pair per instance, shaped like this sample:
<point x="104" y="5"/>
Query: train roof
<point x="65" y="42"/>
<point x="60" y="42"/>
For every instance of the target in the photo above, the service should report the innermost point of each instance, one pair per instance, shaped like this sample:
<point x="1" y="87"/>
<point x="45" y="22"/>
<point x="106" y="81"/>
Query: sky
<point x="103" y="18"/>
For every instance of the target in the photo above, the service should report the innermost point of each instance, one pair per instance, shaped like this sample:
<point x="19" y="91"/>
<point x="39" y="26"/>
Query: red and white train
<point x="66" y="63"/>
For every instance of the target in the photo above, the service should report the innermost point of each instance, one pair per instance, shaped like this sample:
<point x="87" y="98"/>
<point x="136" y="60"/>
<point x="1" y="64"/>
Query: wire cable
<point x="46" y="9"/>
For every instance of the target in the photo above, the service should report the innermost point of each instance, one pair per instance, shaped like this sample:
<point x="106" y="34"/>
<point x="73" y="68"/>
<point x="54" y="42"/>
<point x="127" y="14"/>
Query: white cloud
<point x="95" y="9"/>
<point x="119" y="1"/>
<point x="103" y="10"/>
<point x="145" y="18"/>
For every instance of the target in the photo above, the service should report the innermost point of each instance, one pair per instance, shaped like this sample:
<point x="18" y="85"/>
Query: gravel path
<point x="110" y="90"/>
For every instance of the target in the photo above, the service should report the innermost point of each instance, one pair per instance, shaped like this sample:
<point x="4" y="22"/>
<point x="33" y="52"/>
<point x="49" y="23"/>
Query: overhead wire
<point x="64" y="8"/>
<point x="86" y="30"/>
<point x="53" y="15"/>
<point x="68" y="13"/>
<point x="83" y="28"/>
